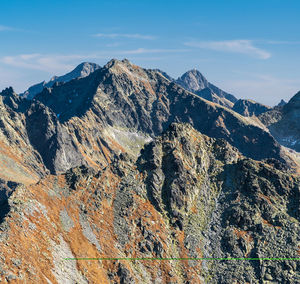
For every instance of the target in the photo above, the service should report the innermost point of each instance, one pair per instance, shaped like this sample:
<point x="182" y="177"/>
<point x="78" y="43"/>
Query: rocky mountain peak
<point x="281" y="103"/>
<point x="7" y="92"/>
<point x="111" y="63"/>
<point x="115" y="62"/>
<point x="12" y="100"/>
<point x="82" y="70"/>
<point x="193" y="80"/>
<point x="126" y="96"/>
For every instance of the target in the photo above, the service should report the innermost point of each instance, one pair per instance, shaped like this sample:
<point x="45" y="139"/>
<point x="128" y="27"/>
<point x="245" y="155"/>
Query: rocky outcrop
<point x="281" y="103"/>
<point x="250" y="108"/>
<point x="51" y="139"/>
<point x="271" y="116"/>
<point x="209" y="95"/>
<point x="251" y="220"/>
<point x="18" y="159"/>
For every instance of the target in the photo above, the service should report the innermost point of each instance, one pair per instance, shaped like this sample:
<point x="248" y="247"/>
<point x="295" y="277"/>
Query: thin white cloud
<point x="53" y="63"/>
<point x="280" y="42"/>
<point x="36" y="61"/>
<point x="235" y="46"/>
<point x="146" y="50"/>
<point x="5" y="28"/>
<point x="130" y="36"/>
<point x="114" y="44"/>
<point x="263" y="88"/>
<point x="13" y="73"/>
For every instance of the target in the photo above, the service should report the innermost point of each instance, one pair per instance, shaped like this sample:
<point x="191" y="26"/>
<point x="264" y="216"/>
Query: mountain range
<point x="120" y="162"/>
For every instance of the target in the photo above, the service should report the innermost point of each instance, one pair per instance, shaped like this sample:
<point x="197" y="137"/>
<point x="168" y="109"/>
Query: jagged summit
<point x="111" y="62"/>
<point x="82" y="70"/>
<point x="281" y="103"/>
<point x="195" y="82"/>
<point x="12" y="100"/>
<point x="294" y="102"/>
<point x="7" y="91"/>
<point x="115" y="61"/>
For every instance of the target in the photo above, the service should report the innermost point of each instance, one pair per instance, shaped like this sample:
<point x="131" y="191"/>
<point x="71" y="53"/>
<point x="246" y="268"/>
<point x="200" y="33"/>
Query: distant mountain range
<point x="120" y="162"/>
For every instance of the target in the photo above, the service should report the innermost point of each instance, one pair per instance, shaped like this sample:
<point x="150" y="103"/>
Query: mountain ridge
<point x="80" y="71"/>
<point x="125" y="163"/>
<point x="248" y="107"/>
<point x="133" y="94"/>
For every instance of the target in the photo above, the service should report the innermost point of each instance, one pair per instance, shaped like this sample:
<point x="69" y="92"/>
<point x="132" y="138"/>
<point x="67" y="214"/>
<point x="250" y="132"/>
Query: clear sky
<point x="248" y="48"/>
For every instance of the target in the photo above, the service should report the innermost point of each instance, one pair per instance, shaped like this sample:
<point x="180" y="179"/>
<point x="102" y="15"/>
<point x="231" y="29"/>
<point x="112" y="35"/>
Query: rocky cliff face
<point x="283" y="123"/>
<point x="125" y="163"/>
<point x="209" y="95"/>
<point x="19" y="161"/>
<point x="250" y="108"/>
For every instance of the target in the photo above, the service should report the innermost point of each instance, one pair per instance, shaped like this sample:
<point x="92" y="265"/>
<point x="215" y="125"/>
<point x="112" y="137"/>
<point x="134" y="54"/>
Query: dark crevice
<point x="4" y="210"/>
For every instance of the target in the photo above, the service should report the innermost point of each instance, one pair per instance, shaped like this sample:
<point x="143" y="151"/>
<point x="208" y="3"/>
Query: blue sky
<point x="248" y="48"/>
